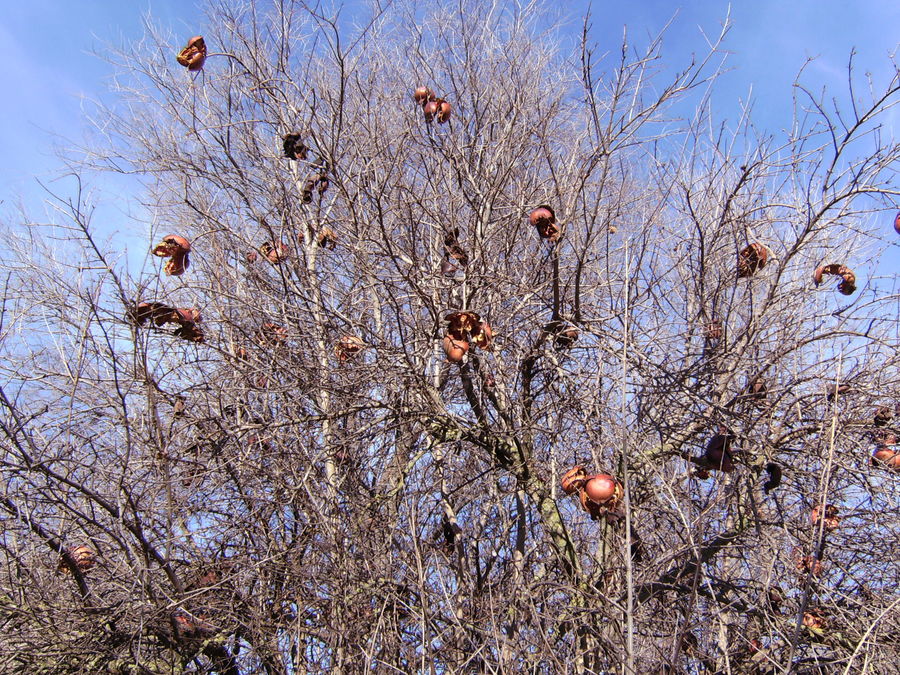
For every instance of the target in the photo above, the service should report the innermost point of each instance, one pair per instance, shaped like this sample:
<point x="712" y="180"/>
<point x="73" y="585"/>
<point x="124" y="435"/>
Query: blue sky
<point x="49" y="68"/>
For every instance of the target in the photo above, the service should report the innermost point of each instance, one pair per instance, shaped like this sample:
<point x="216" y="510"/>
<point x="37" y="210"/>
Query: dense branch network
<point x="520" y="376"/>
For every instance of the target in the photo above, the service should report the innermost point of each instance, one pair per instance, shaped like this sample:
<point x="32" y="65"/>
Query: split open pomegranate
<point x="193" y="56"/>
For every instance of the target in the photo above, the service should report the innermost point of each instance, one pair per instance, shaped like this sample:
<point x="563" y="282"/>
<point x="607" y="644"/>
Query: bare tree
<point x="416" y="271"/>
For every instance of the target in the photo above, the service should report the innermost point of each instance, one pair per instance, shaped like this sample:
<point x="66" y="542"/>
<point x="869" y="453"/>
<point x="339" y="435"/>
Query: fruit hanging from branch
<point x="327" y="238"/>
<point x="176" y="248"/>
<point x="848" y="280"/>
<point x="460" y="323"/>
<point x="601" y="488"/>
<point x="719" y="454"/>
<point x="885" y="456"/>
<point x="348" y="347"/>
<point x="430" y="110"/>
<point x="601" y="496"/>
<point x="157" y="312"/>
<point x="807" y="564"/>
<point x="193" y="56"/>
<point x="81" y="556"/>
<point x="468" y="328"/>
<point x="274" y="253"/>
<point x="751" y="259"/>
<point x="814" y="619"/>
<point x="544" y="220"/>
<point x="482" y="336"/>
<point x="453" y="249"/>
<point x="187" y="315"/>
<point x="574" y="479"/>
<point x="185" y="318"/>
<point x="443" y="111"/>
<point x="271" y="334"/>
<point x="831" y="520"/>
<point x="318" y="182"/>
<point x="294" y="147"/>
<point x="713" y="331"/>
<point x="422" y="95"/>
<point x="192" y="629"/>
<point x="455" y="348"/>
<point x="465" y="329"/>
<point x="883" y="416"/>
<point x="774" y="480"/>
<point x="564" y="334"/>
<point x="433" y="107"/>
<point x="189" y="330"/>
<point x="757" y="389"/>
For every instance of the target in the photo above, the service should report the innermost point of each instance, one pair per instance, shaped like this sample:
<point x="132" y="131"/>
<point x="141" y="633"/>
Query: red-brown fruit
<point x="808" y="564"/>
<point x="883" y="456"/>
<point x="544" y="220"/>
<point x="564" y="334"/>
<point x="573" y="480"/>
<point x="601" y="488"/>
<point x="348" y="347"/>
<point x="294" y="147"/>
<point x="848" y="278"/>
<point x="443" y="111"/>
<point x="193" y="56"/>
<point x="82" y="556"/>
<point x="274" y="254"/>
<point x="541" y="215"/>
<point x="482" y="336"/>
<point x="719" y="454"/>
<point x="757" y="389"/>
<point x="460" y="323"/>
<point x="327" y="238"/>
<point x="422" y="94"/>
<point x="187" y="315"/>
<point x="155" y="311"/>
<point x="831" y="516"/>
<point x="430" y="110"/>
<point x="815" y="619"/>
<point x="271" y="334"/>
<point x="177" y="248"/>
<point x="752" y="259"/>
<point x="713" y="330"/>
<point x="172" y="244"/>
<point x="883" y="416"/>
<point x="455" y="349"/>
